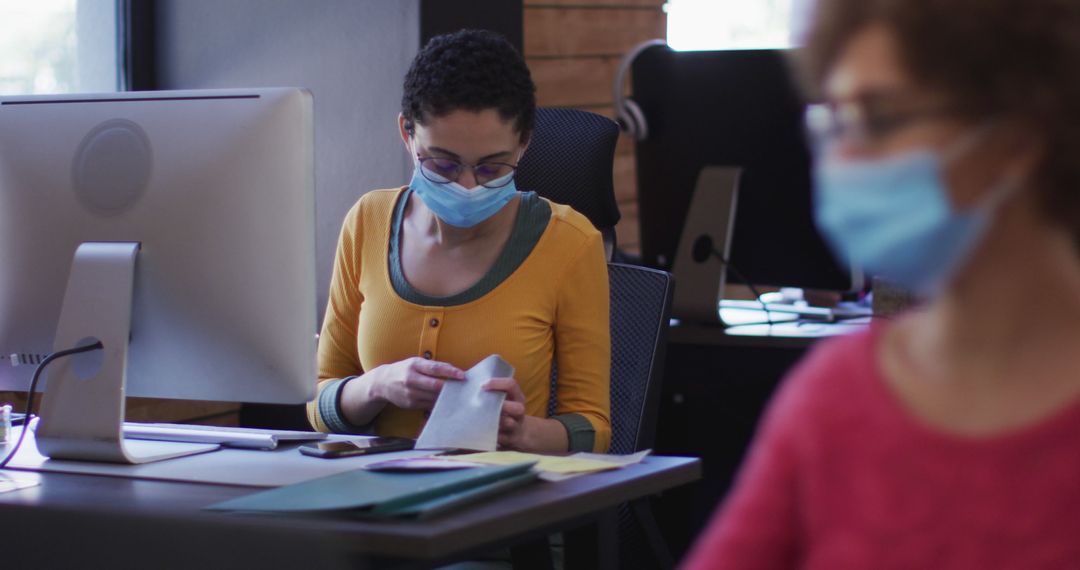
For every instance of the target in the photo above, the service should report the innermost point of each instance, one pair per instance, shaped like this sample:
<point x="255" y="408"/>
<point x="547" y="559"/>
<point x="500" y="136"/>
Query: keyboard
<point x="248" y="438"/>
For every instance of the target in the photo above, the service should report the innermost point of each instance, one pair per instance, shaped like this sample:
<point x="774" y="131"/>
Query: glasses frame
<point x="424" y="171"/>
<point x="850" y="121"/>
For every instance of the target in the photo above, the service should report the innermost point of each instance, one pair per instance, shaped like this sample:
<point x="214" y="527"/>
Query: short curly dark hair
<point x="472" y="70"/>
<point x="1015" y="58"/>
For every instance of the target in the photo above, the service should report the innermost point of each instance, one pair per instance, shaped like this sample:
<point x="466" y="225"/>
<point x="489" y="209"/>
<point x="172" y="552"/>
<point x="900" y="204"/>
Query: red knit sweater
<point x="841" y="476"/>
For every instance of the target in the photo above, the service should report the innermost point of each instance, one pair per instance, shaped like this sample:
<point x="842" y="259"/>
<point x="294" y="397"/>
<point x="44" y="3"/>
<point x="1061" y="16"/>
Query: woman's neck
<point x="450" y="236"/>
<point x="1014" y="300"/>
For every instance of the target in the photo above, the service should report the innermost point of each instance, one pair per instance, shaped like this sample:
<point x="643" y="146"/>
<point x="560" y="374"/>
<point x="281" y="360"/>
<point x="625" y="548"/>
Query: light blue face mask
<point x="892" y="216"/>
<point x="459" y="206"/>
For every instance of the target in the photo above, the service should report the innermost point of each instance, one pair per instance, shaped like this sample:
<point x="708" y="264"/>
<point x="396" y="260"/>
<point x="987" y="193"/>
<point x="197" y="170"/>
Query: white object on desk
<point x="800" y="329"/>
<point x="5" y="422"/>
<point x="83" y="407"/>
<point x="283" y="466"/>
<point x="465" y="416"/>
<point x="12" y="481"/>
<point x="841" y="311"/>
<point x="248" y="438"/>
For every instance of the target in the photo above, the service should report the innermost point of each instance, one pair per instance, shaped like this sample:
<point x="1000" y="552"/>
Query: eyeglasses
<point x="446" y="170"/>
<point x="862" y="123"/>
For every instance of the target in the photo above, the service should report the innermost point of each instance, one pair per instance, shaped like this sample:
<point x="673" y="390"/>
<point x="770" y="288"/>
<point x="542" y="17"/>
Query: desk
<point x="71" y="517"/>
<point x="716" y="385"/>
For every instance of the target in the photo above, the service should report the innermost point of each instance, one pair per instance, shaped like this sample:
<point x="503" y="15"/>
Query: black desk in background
<point x="716" y="386"/>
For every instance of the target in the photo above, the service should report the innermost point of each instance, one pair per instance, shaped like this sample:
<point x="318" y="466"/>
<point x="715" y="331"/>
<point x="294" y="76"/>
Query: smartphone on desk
<point x="366" y="446"/>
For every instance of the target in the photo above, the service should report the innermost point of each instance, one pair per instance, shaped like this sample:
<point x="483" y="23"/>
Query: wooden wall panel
<point x="574" y="32"/>
<point x="573" y="48"/>
<point x="574" y="82"/>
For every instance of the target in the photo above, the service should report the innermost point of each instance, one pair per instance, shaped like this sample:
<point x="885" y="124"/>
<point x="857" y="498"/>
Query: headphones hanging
<point x="627" y="113"/>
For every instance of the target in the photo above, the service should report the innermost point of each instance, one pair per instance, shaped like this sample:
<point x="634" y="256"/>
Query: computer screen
<point x="730" y="108"/>
<point x="215" y="187"/>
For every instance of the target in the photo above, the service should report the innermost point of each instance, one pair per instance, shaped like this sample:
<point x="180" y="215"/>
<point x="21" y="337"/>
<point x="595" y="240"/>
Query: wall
<point x="573" y="48"/>
<point x="352" y="55"/>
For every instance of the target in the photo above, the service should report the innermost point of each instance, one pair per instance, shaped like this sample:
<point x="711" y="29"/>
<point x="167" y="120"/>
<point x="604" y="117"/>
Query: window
<point x="58" y="46"/>
<point x="734" y="24"/>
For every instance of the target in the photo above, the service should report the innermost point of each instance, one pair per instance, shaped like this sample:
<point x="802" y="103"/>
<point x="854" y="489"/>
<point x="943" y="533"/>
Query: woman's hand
<point x="413" y="383"/>
<point x="512" y="420"/>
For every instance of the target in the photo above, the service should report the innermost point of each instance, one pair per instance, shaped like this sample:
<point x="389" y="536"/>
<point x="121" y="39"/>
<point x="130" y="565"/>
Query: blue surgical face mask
<point x="892" y="216"/>
<point x="459" y="206"/>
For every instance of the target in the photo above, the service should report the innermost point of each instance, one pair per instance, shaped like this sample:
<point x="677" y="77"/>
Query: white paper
<point x="16" y="481"/>
<point x="464" y="416"/>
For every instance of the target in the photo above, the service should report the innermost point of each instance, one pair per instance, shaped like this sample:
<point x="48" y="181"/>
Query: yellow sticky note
<point x="545" y="463"/>
<point x="496" y="457"/>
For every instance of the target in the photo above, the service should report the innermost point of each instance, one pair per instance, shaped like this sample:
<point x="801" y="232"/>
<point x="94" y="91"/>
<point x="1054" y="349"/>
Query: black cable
<point x="703" y="248"/>
<point x="33" y="387"/>
<point x="751" y="324"/>
<point x="748" y="283"/>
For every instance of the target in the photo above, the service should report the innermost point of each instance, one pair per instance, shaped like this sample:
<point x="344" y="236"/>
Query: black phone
<point x="366" y="446"/>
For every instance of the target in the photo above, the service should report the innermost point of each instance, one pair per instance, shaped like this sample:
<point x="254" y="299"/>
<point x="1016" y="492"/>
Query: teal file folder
<point x="439" y="505"/>
<point x="384" y="494"/>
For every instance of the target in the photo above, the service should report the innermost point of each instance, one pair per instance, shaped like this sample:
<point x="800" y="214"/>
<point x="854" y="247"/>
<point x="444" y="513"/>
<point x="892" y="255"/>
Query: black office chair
<point x="640" y="311"/>
<point x="640" y="308"/>
<point x="570" y="160"/>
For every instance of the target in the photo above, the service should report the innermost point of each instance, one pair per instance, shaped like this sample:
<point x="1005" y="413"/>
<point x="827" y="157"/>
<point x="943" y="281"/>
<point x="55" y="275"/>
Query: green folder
<point x="385" y="494"/>
<point x="439" y="505"/>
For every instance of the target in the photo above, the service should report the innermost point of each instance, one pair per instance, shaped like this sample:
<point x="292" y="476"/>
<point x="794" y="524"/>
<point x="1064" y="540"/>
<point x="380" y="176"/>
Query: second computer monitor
<point x="737" y="109"/>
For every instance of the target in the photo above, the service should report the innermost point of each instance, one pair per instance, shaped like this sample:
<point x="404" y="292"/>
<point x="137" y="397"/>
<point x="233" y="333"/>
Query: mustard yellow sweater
<point x="553" y="306"/>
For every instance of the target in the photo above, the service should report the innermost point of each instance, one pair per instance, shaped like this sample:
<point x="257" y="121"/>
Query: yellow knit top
<point x="552" y="307"/>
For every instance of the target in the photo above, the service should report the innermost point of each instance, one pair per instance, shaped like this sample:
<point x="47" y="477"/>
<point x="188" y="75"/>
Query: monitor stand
<point x="700" y="268"/>
<point x="83" y="409"/>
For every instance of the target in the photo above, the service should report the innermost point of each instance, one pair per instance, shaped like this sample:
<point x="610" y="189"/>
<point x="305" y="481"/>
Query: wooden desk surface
<point x="543" y="507"/>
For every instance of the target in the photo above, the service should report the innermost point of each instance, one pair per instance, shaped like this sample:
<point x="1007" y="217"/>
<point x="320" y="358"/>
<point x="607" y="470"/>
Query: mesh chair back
<point x="570" y="161"/>
<point x="640" y="309"/>
<point x="640" y="300"/>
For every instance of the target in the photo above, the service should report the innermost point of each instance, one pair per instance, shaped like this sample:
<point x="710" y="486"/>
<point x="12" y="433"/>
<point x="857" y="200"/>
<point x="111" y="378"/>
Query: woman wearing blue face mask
<point x="433" y="277"/>
<point x="948" y="160"/>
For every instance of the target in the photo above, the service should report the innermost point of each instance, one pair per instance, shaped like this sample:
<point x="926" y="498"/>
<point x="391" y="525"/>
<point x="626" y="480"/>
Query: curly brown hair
<point x="470" y="70"/>
<point x="995" y="58"/>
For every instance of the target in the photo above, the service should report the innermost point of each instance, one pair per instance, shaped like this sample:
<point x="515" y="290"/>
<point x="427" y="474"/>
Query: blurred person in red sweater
<point x="947" y="159"/>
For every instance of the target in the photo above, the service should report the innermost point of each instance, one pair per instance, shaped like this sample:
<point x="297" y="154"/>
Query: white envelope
<point x="465" y="416"/>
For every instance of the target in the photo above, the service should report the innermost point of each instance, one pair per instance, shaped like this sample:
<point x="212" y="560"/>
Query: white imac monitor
<point x="177" y="228"/>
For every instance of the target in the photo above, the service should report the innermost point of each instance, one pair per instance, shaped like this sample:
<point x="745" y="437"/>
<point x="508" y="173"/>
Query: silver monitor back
<point x="704" y="250"/>
<point x="217" y="187"/>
